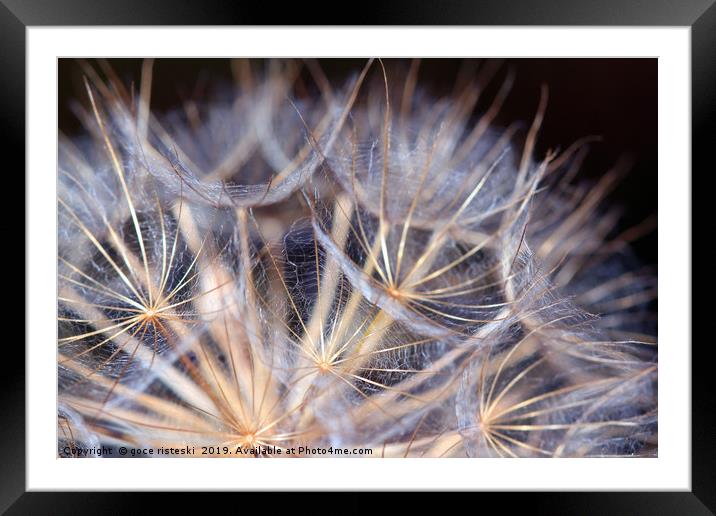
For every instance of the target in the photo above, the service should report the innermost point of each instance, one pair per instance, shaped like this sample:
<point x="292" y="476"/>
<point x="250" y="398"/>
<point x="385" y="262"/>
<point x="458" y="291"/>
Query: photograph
<point x="414" y="251"/>
<point x="357" y="257"/>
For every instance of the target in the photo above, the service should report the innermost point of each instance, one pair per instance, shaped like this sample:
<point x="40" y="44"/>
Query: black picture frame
<point x="699" y="15"/>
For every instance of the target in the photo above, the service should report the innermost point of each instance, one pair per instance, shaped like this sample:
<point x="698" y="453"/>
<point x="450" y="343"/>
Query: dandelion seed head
<point x="364" y="264"/>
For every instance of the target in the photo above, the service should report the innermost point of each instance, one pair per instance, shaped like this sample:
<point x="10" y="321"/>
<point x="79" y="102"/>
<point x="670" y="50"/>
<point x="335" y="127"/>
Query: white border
<point x="671" y="470"/>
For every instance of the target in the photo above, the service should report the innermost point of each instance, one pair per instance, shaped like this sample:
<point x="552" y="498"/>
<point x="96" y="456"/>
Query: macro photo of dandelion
<point x="342" y="257"/>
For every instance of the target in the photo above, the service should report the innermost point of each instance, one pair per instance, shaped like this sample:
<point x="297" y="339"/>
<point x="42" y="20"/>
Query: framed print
<point x="385" y="257"/>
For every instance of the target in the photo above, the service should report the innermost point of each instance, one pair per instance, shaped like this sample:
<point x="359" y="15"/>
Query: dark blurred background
<point x="615" y="99"/>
